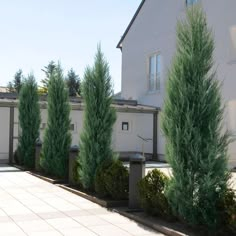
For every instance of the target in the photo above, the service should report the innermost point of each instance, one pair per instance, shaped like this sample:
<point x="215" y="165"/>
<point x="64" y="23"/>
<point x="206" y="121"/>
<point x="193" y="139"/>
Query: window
<point x="125" y="126"/>
<point x="154" y="74"/>
<point x="191" y="2"/>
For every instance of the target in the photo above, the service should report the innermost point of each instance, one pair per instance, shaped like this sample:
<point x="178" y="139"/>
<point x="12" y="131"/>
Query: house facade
<point x="148" y="46"/>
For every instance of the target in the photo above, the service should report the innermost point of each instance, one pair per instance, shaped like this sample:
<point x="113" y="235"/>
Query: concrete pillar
<point x="136" y="173"/>
<point x="11" y="134"/>
<point x="74" y="150"/>
<point x="38" y="148"/>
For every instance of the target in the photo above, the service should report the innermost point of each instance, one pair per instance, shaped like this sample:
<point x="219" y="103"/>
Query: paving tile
<point x="135" y="229"/>
<point x="8" y="228"/>
<point x="90" y="220"/>
<point x="26" y="217"/>
<point x="34" y="226"/>
<point x="78" y="231"/>
<point x="109" y="230"/>
<point x="63" y="223"/>
<point x="46" y="233"/>
<point x="51" y="215"/>
<point x="5" y="219"/>
<point x="72" y="213"/>
<point x="115" y="218"/>
<point x="30" y="206"/>
<point x="99" y="211"/>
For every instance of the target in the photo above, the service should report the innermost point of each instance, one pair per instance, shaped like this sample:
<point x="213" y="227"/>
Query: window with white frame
<point x="191" y="2"/>
<point x="154" y="72"/>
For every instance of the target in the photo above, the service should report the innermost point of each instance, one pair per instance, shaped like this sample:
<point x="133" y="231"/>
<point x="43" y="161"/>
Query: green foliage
<point x="48" y="70"/>
<point x="112" y="180"/>
<point x="100" y="178"/>
<point x="10" y="87"/>
<point x="152" y="193"/>
<point x="29" y="120"/>
<point x="99" y="117"/>
<point x="57" y="138"/>
<point x="15" y="85"/>
<point x="73" y="83"/>
<point x="227" y="206"/>
<point x="196" y="147"/>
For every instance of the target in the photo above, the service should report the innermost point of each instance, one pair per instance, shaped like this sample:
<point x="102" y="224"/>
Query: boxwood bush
<point x="112" y="180"/>
<point x="152" y="196"/>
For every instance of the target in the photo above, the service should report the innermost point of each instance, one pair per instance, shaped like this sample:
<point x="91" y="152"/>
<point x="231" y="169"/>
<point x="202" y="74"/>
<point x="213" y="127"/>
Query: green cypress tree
<point x="29" y="119"/>
<point x="73" y="83"/>
<point x="99" y="118"/>
<point x="17" y="82"/>
<point x="196" y="146"/>
<point x="57" y="138"/>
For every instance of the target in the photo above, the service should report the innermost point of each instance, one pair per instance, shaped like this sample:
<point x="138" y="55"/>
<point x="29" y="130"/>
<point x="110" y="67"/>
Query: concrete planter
<point x="38" y="148"/>
<point x="74" y="151"/>
<point x="136" y="173"/>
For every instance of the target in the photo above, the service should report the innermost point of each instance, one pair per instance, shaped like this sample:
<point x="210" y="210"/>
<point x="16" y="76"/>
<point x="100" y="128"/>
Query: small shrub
<point x="117" y="181"/>
<point x="228" y="208"/>
<point x="152" y="197"/>
<point x="112" y="179"/>
<point x="100" y="179"/>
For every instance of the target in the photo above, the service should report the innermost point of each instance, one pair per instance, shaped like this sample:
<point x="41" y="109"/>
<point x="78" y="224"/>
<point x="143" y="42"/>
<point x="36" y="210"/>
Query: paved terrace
<point x="31" y="206"/>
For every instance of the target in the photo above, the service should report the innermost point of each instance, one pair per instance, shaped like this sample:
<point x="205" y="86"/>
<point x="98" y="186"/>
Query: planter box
<point x="102" y="202"/>
<point x="46" y="178"/>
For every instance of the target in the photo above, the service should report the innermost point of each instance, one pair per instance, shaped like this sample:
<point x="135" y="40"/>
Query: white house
<point x="148" y="45"/>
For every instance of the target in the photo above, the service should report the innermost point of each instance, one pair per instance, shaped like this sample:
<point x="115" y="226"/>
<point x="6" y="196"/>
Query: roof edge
<point x="130" y="24"/>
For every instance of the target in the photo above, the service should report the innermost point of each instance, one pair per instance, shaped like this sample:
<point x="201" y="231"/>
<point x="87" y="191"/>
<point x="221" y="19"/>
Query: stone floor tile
<point x="46" y="233"/>
<point x="7" y="228"/>
<point x="115" y="218"/>
<point x="91" y="220"/>
<point x="34" y="226"/>
<point x="78" y="232"/>
<point x="51" y="215"/>
<point x="109" y="230"/>
<point x="63" y="223"/>
<point x="135" y="229"/>
<point x="72" y="213"/>
<point x="26" y="217"/>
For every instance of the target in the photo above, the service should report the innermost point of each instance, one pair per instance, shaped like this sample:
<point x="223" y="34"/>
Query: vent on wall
<point x="125" y="126"/>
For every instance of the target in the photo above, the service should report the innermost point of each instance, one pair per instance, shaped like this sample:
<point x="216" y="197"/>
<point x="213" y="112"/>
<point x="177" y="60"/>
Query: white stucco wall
<point x="154" y="31"/>
<point x="122" y="141"/>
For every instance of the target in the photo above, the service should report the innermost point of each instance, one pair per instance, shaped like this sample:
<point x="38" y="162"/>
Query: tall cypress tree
<point x="196" y="146"/>
<point x="29" y="119"/>
<point x="99" y="118"/>
<point x="57" y="138"/>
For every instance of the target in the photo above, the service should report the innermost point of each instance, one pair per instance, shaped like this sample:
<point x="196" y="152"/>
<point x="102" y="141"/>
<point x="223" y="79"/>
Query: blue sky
<point x="35" y="32"/>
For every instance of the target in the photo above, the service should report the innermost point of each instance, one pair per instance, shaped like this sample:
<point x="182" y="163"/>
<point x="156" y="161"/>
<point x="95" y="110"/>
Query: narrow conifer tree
<point x="29" y="119"/>
<point x="57" y="138"/>
<point x="196" y="146"/>
<point x="99" y="118"/>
